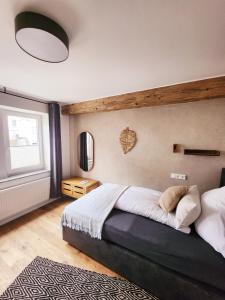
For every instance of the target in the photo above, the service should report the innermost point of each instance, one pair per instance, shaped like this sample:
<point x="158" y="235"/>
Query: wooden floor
<point x="38" y="234"/>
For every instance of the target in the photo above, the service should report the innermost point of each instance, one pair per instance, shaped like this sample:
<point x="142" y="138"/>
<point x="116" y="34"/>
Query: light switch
<point x="178" y="176"/>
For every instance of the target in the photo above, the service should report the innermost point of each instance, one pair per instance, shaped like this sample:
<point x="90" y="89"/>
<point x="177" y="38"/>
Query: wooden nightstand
<point x="77" y="187"/>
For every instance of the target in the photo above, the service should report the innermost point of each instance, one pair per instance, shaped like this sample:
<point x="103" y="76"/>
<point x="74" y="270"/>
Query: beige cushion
<point x="170" y="198"/>
<point x="188" y="208"/>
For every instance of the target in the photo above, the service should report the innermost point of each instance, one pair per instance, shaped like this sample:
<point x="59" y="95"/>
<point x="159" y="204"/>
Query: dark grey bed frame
<point x="154" y="278"/>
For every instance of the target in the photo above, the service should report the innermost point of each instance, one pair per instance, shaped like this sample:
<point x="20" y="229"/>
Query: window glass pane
<point x="23" y="141"/>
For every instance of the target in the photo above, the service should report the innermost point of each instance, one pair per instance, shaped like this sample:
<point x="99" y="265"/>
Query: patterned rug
<point x="44" y="279"/>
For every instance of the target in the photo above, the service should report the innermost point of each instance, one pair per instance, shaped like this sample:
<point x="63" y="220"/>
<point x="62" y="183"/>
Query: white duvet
<point x="144" y="202"/>
<point x="211" y="224"/>
<point x="89" y="213"/>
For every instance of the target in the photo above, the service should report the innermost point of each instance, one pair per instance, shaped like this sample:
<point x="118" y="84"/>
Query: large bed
<point x="163" y="261"/>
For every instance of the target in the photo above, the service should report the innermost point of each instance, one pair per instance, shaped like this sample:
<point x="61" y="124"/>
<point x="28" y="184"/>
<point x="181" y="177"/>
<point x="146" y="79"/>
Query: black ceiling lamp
<point x="41" y="37"/>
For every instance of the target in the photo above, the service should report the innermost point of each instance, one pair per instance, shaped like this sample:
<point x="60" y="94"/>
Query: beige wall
<point x="194" y="125"/>
<point x="65" y="140"/>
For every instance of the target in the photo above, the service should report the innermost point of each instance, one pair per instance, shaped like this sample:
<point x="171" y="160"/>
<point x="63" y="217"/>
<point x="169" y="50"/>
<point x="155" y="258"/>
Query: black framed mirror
<point x="85" y="151"/>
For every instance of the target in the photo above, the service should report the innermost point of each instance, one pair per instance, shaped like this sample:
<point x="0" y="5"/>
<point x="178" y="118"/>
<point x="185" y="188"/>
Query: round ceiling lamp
<point x="41" y="37"/>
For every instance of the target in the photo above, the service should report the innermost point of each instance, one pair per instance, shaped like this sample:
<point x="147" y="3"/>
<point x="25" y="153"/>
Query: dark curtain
<point x="55" y="150"/>
<point x="222" y="179"/>
<point x="83" y="151"/>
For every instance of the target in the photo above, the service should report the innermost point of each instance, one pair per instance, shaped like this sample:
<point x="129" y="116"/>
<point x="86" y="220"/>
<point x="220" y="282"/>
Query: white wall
<point x="18" y="102"/>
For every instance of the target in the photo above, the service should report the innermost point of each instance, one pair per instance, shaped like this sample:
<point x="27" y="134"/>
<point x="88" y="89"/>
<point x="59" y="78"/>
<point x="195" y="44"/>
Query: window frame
<point x="23" y="170"/>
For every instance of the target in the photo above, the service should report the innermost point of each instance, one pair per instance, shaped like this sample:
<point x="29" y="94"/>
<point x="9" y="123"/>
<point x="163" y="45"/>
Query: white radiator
<point x="16" y="201"/>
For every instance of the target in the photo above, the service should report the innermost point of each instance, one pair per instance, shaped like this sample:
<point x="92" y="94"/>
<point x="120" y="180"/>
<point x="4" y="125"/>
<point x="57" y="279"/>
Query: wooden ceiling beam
<point x="180" y="93"/>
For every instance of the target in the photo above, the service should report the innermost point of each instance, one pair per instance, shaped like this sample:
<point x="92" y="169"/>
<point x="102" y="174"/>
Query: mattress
<point x="188" y="255"/>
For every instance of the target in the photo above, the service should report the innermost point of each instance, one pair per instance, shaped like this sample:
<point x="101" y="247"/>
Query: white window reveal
<point x="23" y="144"/>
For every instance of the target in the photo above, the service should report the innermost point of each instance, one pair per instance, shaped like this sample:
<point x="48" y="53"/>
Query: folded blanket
<point x="89" y="213"/>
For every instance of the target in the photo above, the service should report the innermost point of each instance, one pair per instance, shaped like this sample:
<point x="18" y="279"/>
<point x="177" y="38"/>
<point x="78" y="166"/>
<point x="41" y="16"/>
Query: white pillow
<point x="211" y="223"/>
<point x="145" y="202"/>
<point x="188" y="208"/>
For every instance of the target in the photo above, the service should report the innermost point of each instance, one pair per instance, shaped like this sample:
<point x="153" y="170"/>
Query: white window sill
<point x="23" y="178"/>
<point x="24" y="175"/>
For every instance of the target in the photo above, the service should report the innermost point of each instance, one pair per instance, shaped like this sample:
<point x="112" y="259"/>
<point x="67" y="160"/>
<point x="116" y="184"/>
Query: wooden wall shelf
<point x="201" y="152"/>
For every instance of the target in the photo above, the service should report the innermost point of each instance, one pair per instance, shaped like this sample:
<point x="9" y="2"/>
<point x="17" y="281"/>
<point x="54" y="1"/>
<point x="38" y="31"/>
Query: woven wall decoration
<point x="128" y="139"/>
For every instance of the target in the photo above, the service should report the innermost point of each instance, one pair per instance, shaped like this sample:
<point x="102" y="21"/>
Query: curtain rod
<point x="4" y="90"/>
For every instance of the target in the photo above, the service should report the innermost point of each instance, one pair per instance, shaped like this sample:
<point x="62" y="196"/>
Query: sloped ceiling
<point x="116" y="46"/>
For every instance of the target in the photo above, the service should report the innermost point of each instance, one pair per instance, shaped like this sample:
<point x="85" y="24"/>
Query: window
<point x="24" y="142"/>
<point x="22" y="146"/>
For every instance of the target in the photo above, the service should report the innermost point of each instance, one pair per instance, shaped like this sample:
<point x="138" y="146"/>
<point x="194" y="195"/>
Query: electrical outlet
<point x="178" y="176"/>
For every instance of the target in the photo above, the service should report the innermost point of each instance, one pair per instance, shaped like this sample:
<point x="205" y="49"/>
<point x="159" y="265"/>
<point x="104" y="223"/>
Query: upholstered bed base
<point x="160" y="281"/>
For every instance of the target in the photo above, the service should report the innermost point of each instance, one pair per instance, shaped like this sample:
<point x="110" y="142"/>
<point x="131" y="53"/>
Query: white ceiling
<point x="116" y="46"/>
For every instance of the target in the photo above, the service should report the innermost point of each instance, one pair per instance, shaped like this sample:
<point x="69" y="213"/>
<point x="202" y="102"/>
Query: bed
<point x="163" y="261"/>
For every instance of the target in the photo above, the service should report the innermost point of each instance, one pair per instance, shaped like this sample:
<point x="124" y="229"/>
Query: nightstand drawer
<point x="78" y="189"/>
<point x="66" y="186"/>
<point x="77" y="195"/>
<point x="67" y="192"/>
